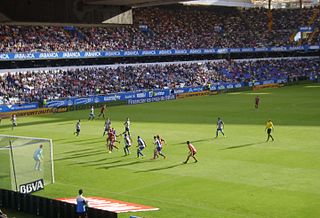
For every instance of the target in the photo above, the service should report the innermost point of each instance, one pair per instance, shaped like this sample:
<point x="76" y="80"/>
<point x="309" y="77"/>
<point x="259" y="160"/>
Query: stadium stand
<point x="170" y="28"/>
<point x="24" y="87"/>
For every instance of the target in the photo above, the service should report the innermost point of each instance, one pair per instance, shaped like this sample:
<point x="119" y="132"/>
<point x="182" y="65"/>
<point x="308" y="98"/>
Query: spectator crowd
<point x="185" y="27"/>
<point x="25" y="87"/>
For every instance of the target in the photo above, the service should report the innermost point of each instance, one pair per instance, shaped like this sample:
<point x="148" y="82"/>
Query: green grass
<point x="237" y="176"/>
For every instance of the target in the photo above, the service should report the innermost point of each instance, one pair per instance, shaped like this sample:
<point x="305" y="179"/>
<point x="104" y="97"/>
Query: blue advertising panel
<point x="18" y="107"/>
<point x="138" y="53"/>
<point x="133" y="97"/>
<point x="306" y="29"/>
<point x="107" y="98"/>
<point x="257" y="83"/>
<point x="152" y="99"/>
<point x="188" y="90"/>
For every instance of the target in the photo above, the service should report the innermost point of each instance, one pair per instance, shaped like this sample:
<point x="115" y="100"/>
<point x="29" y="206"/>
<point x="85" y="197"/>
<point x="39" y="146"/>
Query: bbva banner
<point x="31" y="187"/>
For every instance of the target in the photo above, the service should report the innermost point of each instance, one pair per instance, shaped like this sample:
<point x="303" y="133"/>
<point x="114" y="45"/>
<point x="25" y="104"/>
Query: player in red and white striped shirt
<point x="192" y="153"/>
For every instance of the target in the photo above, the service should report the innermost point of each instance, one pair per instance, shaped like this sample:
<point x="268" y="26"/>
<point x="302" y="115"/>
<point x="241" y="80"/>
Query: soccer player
<point x="91" y="115"/>
<point x="161" y="140"/>
<point x="14" y="120"/>
<point x="111" y="141"/>
<point x="78" y="127"/>
<point x="192" y="153"/>
<point x="127" y="144"/>
<point x="113" y="130"/>
<point x="107" y="126"/>
<point x="158" y="149"/>
<point x="127" y="127"/>
<point x="257" y="100"/>
<point x="102" y="111"/>
<point x="269" y="128"/>
<point x="141" y="144"/>
<point x="37" y="156"/>
<point x="82" y="204"/>
<point x="220" y="127"/>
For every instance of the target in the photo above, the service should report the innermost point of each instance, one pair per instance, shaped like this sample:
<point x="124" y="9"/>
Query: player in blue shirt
<point x="37" y="156"/>
<point x="82" y="204"/>
<point x="141" y="144"/>
<point x="91" y="115"/>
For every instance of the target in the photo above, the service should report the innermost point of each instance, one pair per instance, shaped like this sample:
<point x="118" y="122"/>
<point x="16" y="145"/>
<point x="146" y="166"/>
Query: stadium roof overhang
<point x="131" y="3"/>
<point x="145" y="3"/>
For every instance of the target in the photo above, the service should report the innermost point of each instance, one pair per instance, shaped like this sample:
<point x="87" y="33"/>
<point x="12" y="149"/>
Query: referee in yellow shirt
<point x="269" y="128"/>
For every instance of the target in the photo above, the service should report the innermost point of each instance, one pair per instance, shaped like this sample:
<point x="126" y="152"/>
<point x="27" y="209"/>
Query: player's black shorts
<point x="82" y="214"/>
<point x="127" y="129"/>
<point x="269" y="131"/>
<point x="78" y="130"/>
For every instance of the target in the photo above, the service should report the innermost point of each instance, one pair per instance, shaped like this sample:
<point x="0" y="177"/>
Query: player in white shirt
<point x="14" y="120"/>
<point x="127" y="144"/>
<point x="220" y="127"/>
<point x="127" y="127"/>
<point x="91" y="115"/>
<point x="158" y="149"/>
<point x="78" y="128"/>
<point x="107" y="126"/>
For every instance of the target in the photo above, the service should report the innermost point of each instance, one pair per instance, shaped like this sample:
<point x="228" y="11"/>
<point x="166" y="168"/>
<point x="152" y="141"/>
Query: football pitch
<point x="237" y="176"/>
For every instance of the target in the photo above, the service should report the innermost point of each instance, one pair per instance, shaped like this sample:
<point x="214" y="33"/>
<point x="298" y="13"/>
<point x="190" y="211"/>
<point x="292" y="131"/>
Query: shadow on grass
<point x="102" y="141"/>
<point x="67" y="123"/>
<point x="98" y="162"/>
<point x="82" y="140"/>
<point x="33" y="123"/>
<point x="5" y="177"/>
<point x="58" y="140"/>
<point x="159" y="168"/>
<point x="124" y="164"/>
<point x="86" y="154"/>
<point x="78" y="151"/>
<point x="244" y="145"/>
<point x="195" y="141"/>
